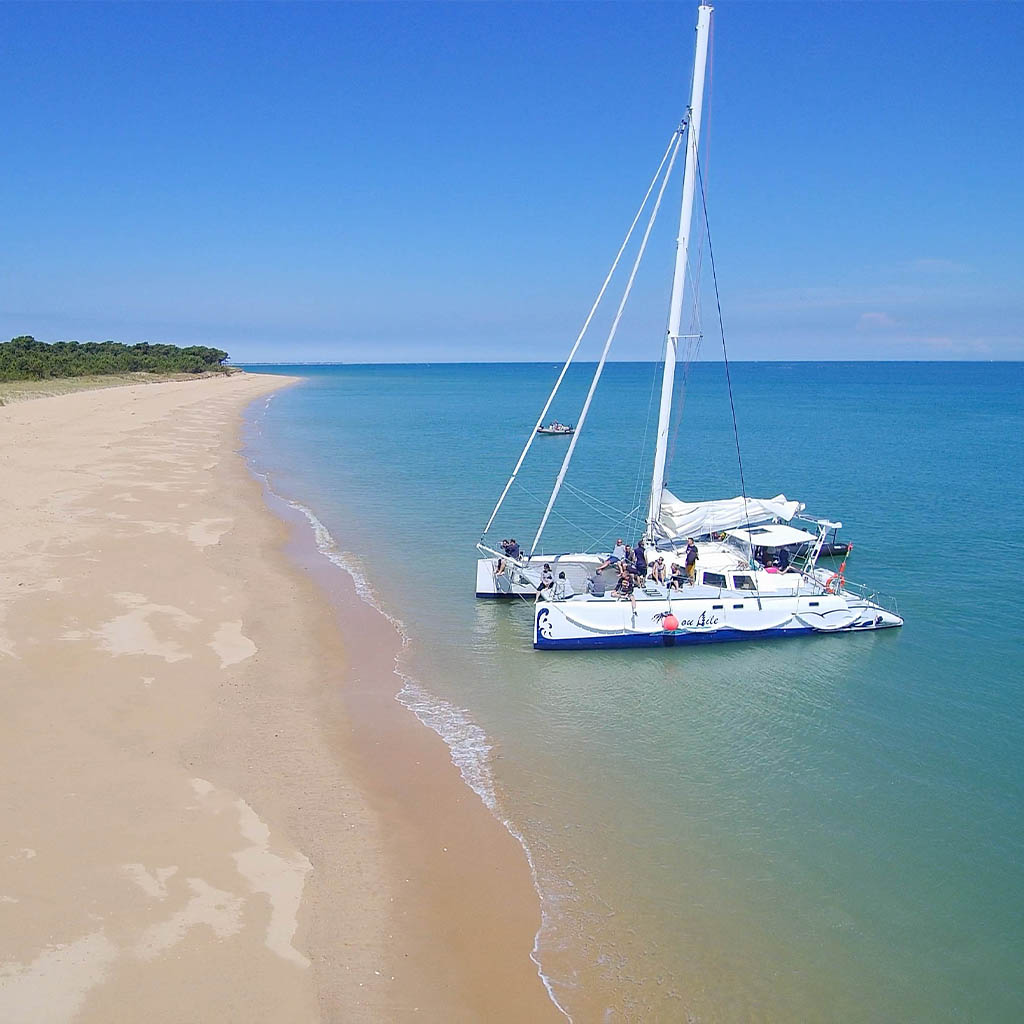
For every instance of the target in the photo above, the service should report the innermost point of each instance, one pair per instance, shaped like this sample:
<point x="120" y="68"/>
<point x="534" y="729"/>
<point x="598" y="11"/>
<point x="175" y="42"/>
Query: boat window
<point x="714" y="579"/>
<point x="814" y="604"/>
<point x="743" y="583"/>
<point x="737" y="606"/>
<point x="715" y="607"/>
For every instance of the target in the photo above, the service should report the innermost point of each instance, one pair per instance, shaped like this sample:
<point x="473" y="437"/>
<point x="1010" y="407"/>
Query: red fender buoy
<point x="670" y="623"/>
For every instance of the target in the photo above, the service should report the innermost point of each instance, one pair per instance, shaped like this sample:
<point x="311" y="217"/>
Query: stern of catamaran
<point x="498" y="576"/>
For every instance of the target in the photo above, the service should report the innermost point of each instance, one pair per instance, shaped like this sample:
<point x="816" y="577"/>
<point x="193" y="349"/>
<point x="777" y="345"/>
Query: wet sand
<point x="214" y="807"/>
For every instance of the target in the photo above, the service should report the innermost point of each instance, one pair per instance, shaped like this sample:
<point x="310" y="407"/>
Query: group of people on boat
<point x="629" y="561"/>
<point x="774" y="558"/>
<point x="634" y="571"/>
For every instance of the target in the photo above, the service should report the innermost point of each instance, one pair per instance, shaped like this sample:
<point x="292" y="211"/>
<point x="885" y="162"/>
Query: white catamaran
<point x="757" y="575"/>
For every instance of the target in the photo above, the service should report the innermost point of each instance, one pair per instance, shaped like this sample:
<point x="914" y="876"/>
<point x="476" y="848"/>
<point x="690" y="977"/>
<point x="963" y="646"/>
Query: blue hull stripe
<point x="666" y="639"/>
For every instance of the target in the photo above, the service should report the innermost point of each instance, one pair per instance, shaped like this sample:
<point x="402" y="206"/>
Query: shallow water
<point x="814" y="828"/>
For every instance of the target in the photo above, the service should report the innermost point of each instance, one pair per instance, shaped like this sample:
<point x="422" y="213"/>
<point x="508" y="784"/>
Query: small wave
<point x="470" y="752"/>
<point x="347" y="562"/>
<point x="470" y="749"/>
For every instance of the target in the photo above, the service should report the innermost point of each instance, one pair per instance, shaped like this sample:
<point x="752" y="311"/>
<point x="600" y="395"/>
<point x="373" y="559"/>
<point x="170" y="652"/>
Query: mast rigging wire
<point x="728" y="373"/>
<point x="579" y="337"/>
<point x="608" y="341"/>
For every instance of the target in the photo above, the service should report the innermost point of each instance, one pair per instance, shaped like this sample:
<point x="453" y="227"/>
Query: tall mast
<point x="682" y="254"/>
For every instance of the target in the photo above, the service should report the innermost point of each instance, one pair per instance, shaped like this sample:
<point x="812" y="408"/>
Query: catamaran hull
<point x="589" y="625"/>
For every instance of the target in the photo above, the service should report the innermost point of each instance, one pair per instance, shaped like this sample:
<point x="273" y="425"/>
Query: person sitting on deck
<point x="547" y="581"/>
<point x="595" y="585"/>
<point x="657" y="570"/>
<point x="513" y="548"/>
<point x="562" y="589"/>
<point x="618" y="554"/>
<point x="678" y="577"/>
<point x="625" y="587"/>
<point x="783" y="559"/>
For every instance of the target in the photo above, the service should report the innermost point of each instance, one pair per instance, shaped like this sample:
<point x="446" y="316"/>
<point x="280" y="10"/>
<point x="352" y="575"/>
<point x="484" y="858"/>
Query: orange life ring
<point x="834" y="584"/>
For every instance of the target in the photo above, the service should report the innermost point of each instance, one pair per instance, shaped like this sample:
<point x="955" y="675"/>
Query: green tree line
<point x="24" y="358"/>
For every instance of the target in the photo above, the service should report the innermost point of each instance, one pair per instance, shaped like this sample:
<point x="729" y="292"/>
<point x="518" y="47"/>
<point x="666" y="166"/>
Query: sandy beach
<point x="214" y="807"/>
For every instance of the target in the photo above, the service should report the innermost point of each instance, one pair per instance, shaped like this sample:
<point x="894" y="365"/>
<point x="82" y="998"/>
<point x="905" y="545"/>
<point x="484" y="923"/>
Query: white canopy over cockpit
<point x="772" y="535"/>
<point x="680" y="519"/>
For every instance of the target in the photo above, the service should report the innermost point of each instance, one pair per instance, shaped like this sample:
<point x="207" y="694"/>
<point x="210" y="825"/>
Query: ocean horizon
<point x="251" y="364"/>
<point x="811" y="828"/>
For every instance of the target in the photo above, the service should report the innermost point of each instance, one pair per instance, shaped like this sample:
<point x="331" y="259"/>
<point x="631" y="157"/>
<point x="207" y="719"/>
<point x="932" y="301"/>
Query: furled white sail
<point x="681" y="519"/>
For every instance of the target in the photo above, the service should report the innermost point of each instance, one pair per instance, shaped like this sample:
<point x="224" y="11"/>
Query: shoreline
<point x="200" y="808"/>
<point x="444" y="826"/>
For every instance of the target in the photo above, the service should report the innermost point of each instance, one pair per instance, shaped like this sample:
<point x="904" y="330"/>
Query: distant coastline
<point x="25" y="358"/>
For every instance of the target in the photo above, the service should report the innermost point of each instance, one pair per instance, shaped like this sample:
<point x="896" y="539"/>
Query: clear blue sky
<point x="447" y="181"/>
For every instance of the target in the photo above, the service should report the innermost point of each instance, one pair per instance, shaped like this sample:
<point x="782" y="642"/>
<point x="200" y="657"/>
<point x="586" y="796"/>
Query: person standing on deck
<point x="640" y="559"/>
<point x="691" y="559"/>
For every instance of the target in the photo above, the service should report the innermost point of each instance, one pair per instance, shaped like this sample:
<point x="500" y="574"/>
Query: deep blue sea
<point x="825" y="828"/>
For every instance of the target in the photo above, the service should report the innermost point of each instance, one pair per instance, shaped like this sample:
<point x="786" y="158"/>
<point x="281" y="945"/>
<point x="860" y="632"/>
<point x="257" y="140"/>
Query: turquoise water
<point x="825" y="828"/>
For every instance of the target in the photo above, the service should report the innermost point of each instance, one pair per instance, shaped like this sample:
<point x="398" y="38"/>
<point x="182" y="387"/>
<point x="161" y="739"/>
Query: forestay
<point x="681" y="519"/>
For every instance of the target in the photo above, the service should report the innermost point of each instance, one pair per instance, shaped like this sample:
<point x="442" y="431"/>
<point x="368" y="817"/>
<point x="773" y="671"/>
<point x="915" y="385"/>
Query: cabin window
<point x="738" y="606"/>
<point x="743" y="583"/>
<point x="814" y="604"/>
<point x="716" y="607"/>
<point x="714" y="579"/>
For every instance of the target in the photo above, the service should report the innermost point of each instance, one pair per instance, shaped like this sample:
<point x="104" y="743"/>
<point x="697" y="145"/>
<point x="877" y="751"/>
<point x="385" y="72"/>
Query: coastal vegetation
<point x="24" y="358"/>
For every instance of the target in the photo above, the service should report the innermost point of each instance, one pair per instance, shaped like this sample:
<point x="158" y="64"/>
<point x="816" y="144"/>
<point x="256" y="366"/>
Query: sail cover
<point x="679" y="519"/>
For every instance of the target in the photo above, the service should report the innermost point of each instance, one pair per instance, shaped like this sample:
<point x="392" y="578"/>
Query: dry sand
<point x="213" y="808"/>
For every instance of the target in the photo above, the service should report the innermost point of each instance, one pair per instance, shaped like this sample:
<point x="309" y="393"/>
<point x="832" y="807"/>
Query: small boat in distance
<point x="554" y="427"/>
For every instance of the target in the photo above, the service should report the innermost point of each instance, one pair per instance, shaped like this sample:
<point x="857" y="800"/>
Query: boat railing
<point x="823" y="584"/>
<point x="884" y="601"/>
